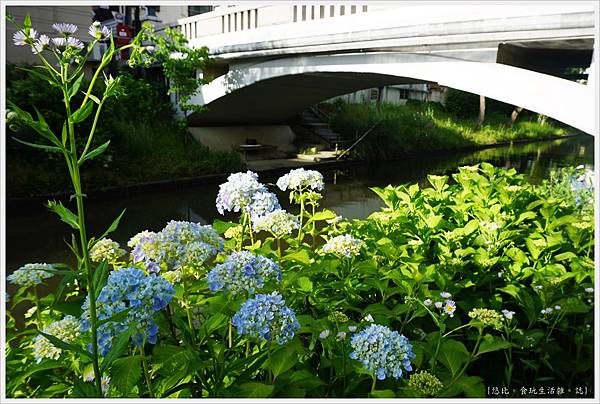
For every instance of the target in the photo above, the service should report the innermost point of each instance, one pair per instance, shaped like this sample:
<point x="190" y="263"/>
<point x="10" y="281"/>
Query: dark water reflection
<point x="36" y="235"/>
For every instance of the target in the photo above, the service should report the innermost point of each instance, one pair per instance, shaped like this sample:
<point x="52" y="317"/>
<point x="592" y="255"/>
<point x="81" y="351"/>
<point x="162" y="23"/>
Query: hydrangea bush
<point x="485" y="280"/>
<point x="399" y="304"/>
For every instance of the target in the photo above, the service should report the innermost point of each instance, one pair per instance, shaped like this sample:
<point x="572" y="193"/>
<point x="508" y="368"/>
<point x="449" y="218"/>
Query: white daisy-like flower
<point x="508" y="314"/>
<point x="98" y="32"/>
<point x="450" y="308"/>
<point x="59" y="43"/>
<point x="20" y="38"/>
<point x="438" y="305"/>
<point x="589" y="290"/>
<point x="64" y="28"/>
<point x="41" y="44"/>
<point x="74" y="43"/>
<point x="427" y="302"/>
<point x="324" y="334"/>
<point x="445" y="295"/>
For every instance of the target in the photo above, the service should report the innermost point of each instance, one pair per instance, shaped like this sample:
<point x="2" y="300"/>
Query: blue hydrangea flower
<point x="243" y="271"/>
<point x="267" y="318"/>
<point x="300" y="180"/>
<point x="31" y="274"/>
<point x="129" y="289"/>
<point x="262" y="203"/>
<point x="188" y="244"/>
<point x="236" y="194"/>
<point x="382" y="352"/>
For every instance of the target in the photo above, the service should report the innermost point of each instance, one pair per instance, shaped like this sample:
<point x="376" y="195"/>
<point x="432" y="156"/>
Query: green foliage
<point x="505" y="250"/>
<point x="179" y="62"/>
<point x="466" y="105"/>
<point x="425" y="127"/>
<point x="147" y="142"/>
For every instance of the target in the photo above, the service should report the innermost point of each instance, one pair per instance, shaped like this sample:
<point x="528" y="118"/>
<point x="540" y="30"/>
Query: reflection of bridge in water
<point x="272" y="62"/>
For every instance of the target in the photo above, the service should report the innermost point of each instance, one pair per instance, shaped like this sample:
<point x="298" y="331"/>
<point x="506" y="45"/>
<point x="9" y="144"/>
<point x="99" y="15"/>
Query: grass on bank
<point x="423" y="127"/>
<point x="147" y="142"/>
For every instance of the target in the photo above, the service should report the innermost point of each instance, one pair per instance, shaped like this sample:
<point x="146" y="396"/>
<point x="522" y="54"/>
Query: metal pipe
<point x="358" y="141"/>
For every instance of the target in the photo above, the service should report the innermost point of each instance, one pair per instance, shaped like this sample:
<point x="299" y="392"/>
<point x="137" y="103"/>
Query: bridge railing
<point x="224" y="20"/>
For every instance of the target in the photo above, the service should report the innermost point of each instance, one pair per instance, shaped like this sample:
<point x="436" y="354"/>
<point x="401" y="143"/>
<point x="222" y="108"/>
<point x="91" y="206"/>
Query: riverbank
<point x="271" y="167"/>
<point x="347" y="192"/>
<point x="396" y="131"/>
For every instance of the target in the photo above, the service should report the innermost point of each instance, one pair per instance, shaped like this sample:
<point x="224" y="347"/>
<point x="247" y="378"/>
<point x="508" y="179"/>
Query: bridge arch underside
<point x="274" y="91"/>
<point x="278" y="99"/>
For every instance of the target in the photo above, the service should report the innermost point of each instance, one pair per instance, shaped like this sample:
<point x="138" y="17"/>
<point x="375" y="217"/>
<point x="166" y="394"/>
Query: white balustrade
<point x="224" y="20"/>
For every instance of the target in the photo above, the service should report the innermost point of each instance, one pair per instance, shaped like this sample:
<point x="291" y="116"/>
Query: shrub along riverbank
<point x="421" y="127"/>
<point x="147" y="142"/>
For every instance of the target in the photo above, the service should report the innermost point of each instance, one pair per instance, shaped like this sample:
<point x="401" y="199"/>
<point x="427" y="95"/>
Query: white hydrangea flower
<point x="301" y="179"/>
<point x="106" y="249"/>
<point x="68" y="330"/>
<point x="278" y="222"/>
<point x="344" y="245"/>
<point x="31" y="274"/>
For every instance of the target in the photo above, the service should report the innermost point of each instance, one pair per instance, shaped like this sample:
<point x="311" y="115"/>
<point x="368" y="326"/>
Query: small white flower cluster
<point x="31" y="274"/>
<point x="340" y="336"/>
<point x="490" y="226"/>
<point x="448" y="307"/>
<point x="278" y="222"/>
<point x="104" y="381"/>
<point x="513" y="188"/>
<point x="106" y="249"/>
<point x="549" y="310"/>
<point x="68" y="330"/>
<point x="344" y="245"/>
<point x="508" y="314"/>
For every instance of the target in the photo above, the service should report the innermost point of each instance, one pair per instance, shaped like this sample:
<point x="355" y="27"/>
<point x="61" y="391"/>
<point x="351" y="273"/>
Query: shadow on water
<point x="36" y="235"/>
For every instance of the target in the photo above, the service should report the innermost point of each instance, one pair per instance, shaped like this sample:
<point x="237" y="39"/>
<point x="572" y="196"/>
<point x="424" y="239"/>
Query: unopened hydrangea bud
<point x="426" y="384"/>
<point x="337" y="317"/>
<point x="486" y="318"/>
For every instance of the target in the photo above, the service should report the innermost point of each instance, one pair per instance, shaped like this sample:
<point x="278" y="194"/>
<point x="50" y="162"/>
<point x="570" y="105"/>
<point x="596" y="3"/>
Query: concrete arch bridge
<point x="521" y="55"/>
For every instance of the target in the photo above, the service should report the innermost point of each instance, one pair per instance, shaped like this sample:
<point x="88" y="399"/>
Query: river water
<point x="33" y="234"/>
